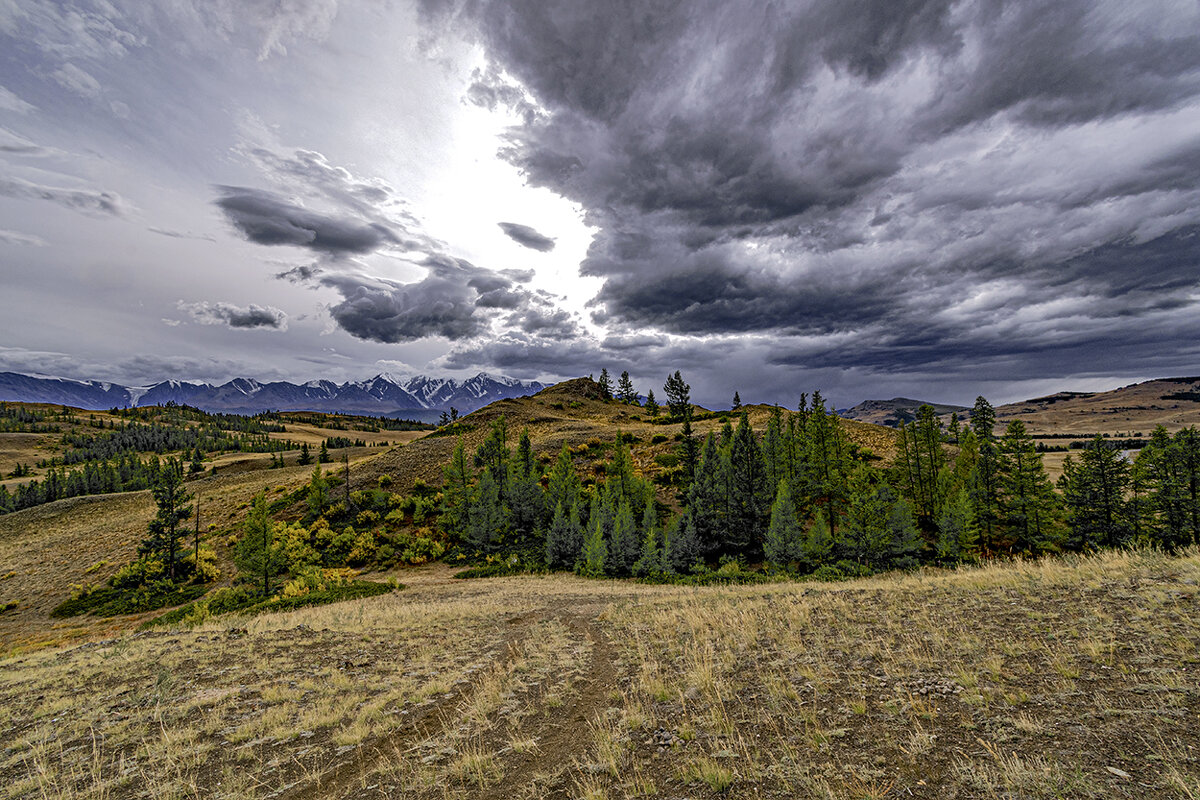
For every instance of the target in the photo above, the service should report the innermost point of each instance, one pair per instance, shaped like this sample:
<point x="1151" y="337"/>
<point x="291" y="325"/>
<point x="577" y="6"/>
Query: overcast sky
<point x="931" y="199"/>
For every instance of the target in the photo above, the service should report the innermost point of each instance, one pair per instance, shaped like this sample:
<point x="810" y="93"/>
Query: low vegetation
<point x="1061" y="677"/>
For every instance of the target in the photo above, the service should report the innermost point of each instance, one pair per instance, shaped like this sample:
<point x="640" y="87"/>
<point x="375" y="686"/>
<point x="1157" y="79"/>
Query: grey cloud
<point x="299" y="274"/>
<point x="268" y="219"/>
<point x="230" y="315"/>
<point x="456" y="300"/>
<point x="527" y="237"/>
<point x="87" y="201"/>
<point x="858" y="179"/>
<point x="380" y="310"/>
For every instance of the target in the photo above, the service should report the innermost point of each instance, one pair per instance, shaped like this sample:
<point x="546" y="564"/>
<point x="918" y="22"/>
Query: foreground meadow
<point x="1056" y="678"/>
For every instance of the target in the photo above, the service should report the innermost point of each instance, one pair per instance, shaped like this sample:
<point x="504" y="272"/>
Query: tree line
<point x="800" y="497"/>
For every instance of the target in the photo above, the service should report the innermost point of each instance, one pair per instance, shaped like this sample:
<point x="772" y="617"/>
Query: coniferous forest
<point x="800" y="498"/>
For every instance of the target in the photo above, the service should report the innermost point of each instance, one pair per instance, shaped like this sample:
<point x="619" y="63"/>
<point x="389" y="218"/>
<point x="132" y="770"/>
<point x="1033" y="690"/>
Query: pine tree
<point x="679" y="398"/>
<point x="784" y="542"/>
<point x="323" y="456"/>
<point x="605" y="383"/>
<point x="625" y="391"/>
<point x="258" y="553"/>
<point x="651" y="405"/>
<point x="305" y="456"/>
<point x="165" y="532"/>
<point x="737" y="401"/>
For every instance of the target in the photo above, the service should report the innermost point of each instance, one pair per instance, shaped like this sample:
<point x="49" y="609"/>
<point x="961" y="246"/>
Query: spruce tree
<point x="323" y="456"/>
<point x="688" y="451"/>
<point x="817" y="543"/>
<point x="706" y="504"/>
<point x="625" y="544"/>
<point x="650" y="559"/>
<point x="957" y="532"/>
<point x="750" y="498"/>
<point x="784" y="542"/>
<point x="825" y="462"/>
<point x="564" y="540"/>
<point x="737" y="401"/>
<point x="683" y="548"/>
<point x="488" y="517"/>
<point x="305" y="456"/>
<point x="1093" y="493"/>
<point x="456" y="494"/>
<point x="595" y="550"/>
<point x="1027" y="499"/>
<point x="985" y="480"/>
<point x="564" y="486"/>
<point x="258" y="553"/>
<point x="317" y="497"/>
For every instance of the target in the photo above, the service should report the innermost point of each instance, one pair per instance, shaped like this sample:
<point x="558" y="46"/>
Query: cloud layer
<point x="896" y="187"/>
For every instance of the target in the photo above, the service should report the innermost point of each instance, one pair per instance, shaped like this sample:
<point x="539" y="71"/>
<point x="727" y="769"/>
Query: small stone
<point x="1120" y="773"/>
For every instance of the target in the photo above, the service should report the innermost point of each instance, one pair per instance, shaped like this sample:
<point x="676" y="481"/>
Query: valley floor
<point x="1060" y="678"/>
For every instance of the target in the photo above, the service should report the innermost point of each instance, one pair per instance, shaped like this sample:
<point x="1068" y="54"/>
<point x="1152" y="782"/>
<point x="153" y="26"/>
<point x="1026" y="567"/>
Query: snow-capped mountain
<point x="383" y="395"/>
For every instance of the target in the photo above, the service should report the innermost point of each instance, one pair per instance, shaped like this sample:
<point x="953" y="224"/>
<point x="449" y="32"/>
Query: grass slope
<point x="1045" y="679"/>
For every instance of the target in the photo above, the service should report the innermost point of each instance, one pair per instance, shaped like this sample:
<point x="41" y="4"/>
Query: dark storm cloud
<point x="268" y="219"/>
<point x="456" y="300"/>
<point x="527" y="237"/>
<point x="228" y="314"/>
<point x="862" y="180"/>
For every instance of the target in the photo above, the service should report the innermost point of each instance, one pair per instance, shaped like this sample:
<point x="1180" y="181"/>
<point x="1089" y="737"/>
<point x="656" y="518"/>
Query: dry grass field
<point x="1049" y="679"/>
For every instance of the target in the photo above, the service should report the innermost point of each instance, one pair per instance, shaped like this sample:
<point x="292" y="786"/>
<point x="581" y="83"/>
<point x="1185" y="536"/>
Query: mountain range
<point x="418" y="397"/>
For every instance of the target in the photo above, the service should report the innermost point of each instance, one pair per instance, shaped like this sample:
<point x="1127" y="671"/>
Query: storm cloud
<point x="456" y="300"/>
<point x="266" y="218"/>
<point x="884" y="186"/>
<point x="527" y="237"/>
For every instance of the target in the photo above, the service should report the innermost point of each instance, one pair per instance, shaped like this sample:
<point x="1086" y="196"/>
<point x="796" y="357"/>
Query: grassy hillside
<point x="1048" y="679"/>
<point x="1171" y="402"/>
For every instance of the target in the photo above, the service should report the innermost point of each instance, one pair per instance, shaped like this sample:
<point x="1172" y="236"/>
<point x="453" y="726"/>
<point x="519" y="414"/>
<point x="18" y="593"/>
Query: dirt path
<point x="343" y="778"/>
<point x="558" y="738"/>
